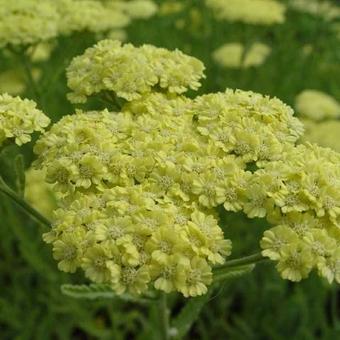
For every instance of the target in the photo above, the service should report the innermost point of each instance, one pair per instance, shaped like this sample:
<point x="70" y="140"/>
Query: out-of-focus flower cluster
<point x="141" y="186"/>
<point x="321" y="114"/>
<point x="130" y="72"/>
<point x="317" y="105"/>
<point x="19" y="118"/>
<point x="325" y="133"/>
<point x="39" y="193"/>
<point x="324" y="9"/>
<point x="234" y="55"/>
<point x="261" y="12"/>
<point x="26" y="22"/>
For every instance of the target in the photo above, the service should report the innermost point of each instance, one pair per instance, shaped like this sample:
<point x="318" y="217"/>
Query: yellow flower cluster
<point x="130" y="238"/>
<point x="234" y="55"/>
<point x="301" y="195"/>
<point x="19" y="118"/>
<point x="39" y="193"/>
<point x="317" y="105"/>
<point x="130" y="72"/>
<point x="140" y="186"/>
<point x="324" y="9"/>
<point x="174" y="162"/>
<point x="261" y="12"/>
<point x="40" y="20"/>
<point x="25" y="22"/>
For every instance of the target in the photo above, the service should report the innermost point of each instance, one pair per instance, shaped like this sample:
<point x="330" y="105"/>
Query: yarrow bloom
<point x="260" y="12"/>
<point x="139" y="187"/>
<point x="234" y="55"/>
<point x="317" y="105"/>
<point x="130" y="72"/>
<point x="25" y="22"/>
<point x="304" y="205"/>
<point x="19" y="118"/>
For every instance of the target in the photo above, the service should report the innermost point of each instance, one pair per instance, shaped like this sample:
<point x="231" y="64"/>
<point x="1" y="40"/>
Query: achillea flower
<point x="317" y="105"/>
<point x="305" y="206"/>
<point x="130" y="72"/>
<point x="261" y="12"/>
<point x="123" y="235"/>
<point x="140" y="187"/>
<point x="19" y="118"/>
<point x="26" y="22"/>
<point x="234" y="55"/>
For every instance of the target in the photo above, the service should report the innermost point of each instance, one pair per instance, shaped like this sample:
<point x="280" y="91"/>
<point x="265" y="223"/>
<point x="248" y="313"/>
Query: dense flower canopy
<point x="104" y="68"/>
<point x="140" y="187"/>
<point x="261" y="12"/>
<point x="19" y="118"/>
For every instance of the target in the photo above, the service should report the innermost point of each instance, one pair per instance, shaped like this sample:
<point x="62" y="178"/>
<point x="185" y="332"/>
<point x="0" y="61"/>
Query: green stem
<point x="251" y="259"/>
<point x="23" y="58"/>
<point x="30" y="79"/>
<point x="4" y="188"/>
<point x="164" y="317"/>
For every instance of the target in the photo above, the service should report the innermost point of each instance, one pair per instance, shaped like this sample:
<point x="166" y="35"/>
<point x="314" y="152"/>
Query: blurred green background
<point x="305" y="55"/>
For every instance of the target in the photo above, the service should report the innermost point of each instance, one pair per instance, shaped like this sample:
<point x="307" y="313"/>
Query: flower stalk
<point x="4" y="188"/>
<point x="164" y="317"/>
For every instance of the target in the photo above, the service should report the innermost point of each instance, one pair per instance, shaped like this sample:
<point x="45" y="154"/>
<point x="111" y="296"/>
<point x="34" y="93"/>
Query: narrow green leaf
<point x="188" y="315"/>
<point x="19" y="166"/>
<point x="229" y="273"/>
<point x="98" y="291"/>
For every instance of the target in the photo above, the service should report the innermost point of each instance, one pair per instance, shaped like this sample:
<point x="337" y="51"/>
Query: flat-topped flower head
<point x="25" y="22"/>
<point x="19" y="118"/>
<point x="129" y="72"/>
<point x="305" y="206"/>
<point x="123" y="236"/>
<point x="257" y="12"/>
<point x="140" y="188"/>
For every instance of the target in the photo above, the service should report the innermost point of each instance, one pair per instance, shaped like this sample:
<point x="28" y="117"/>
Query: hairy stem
<point x="251" y="259"/>
<point x="164" y="317"/>
<point x="4" y="188"/>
